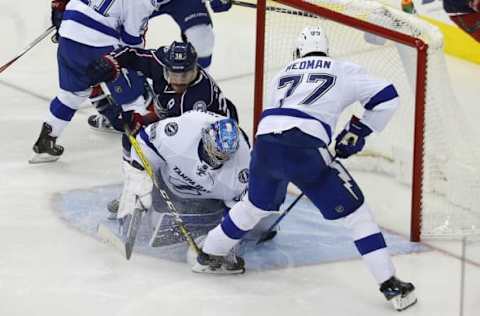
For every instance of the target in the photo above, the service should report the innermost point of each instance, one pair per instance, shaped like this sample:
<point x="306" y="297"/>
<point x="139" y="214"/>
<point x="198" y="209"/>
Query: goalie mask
<point x="220" y="141"/>
<point x="312" y="40"/>
<point x="180" y="64"/>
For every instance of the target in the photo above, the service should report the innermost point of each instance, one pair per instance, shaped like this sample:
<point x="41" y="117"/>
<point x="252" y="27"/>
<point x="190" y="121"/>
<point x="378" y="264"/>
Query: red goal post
<point x="326" y="12"/>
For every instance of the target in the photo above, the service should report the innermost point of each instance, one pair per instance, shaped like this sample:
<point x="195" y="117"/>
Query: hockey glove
<point x="106" y="68"/>
<point x="220" y="5"/>
<point x="352" y="139"/>
<point x="58" y="7"/>
<point x="139" y="121"/>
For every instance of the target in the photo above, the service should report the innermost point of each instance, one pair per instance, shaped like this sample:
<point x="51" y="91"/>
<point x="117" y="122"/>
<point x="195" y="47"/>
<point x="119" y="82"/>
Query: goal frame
<point x="420" y="89"/>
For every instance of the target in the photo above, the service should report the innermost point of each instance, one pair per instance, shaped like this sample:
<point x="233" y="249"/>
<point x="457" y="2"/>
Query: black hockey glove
<point x="106" y="68"/>
<point x="58" y="8"/>
<point x="220" y="5"/>
<point x="352" y="139"/>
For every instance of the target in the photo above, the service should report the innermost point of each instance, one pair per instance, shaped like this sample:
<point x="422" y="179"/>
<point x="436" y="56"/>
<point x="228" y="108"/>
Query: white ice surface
<point x="47" y="268"/>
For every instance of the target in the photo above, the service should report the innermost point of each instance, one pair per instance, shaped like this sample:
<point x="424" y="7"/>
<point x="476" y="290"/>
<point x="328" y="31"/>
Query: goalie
<point x="201" y="159"/>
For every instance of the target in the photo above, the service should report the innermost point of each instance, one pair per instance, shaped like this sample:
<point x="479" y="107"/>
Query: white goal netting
<point x="451" y="173"/>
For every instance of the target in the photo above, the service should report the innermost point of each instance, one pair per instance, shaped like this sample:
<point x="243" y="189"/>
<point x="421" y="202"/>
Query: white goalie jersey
<point x="172" y="147"/>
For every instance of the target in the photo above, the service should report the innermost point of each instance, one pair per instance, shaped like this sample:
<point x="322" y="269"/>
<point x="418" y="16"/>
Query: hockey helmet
<point x="180" y="63"/>
<point x="312" y="39"/>
<point x="220" y="140"/>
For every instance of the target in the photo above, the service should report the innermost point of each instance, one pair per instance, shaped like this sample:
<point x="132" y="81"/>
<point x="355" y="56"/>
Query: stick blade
<point x="109" y="237"/>
<point x="269" y="235"/>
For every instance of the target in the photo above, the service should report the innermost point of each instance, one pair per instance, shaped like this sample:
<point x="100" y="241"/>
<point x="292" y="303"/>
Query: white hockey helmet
<point x="312" y="39"/>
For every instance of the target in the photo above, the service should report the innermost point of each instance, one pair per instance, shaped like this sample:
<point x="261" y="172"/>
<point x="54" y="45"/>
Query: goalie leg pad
<point x="136" y="185"/>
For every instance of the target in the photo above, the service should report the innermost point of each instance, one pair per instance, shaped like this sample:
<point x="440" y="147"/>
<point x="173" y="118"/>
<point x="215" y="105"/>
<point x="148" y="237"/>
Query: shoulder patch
<point x="171" y="129"/>
<point x="243" y="176"/>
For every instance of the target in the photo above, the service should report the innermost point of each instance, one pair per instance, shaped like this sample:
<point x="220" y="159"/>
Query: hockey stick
<point x="274" y="9"/>
<point x="123" y="244"/>
<point x="29" y="47"/>
<point x="270" y="233"/>
<point x="171" y="207"/>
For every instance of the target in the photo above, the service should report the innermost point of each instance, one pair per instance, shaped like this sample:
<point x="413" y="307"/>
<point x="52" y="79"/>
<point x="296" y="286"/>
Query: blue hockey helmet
<point x="221" y="140"/>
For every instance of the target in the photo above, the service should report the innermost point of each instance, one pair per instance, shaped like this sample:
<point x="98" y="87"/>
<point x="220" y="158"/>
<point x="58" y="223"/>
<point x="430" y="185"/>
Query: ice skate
<point x="100" y="123"/>
<point x="45" y="148"/>
<point x="400" y="294"/>
<point x="206" y="263"/>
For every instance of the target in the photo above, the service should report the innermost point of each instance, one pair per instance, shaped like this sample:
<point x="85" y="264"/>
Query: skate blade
<point x="43" y="158"/>
<point x="198" y="268"/>
<point x="106" y="130"/>
<point x="401" y="303"/>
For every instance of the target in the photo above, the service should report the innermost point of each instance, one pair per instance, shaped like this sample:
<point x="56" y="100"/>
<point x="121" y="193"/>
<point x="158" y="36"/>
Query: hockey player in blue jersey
<point x="306" y="98"/>
<point x="196" y="27"/>
<point x="179" y="83"/>
<point x="88" y="29"/>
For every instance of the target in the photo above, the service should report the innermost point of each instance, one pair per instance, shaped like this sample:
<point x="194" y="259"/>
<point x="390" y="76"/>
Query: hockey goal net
<point x="426" y="146"/>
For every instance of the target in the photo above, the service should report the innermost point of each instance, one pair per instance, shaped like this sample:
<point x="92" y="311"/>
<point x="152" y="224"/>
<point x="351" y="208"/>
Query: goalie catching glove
<point x="352" y="138"/>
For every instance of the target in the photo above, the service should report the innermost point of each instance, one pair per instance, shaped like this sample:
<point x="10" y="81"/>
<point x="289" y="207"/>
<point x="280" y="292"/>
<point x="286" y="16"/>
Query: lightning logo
<point x="343" y="175"/>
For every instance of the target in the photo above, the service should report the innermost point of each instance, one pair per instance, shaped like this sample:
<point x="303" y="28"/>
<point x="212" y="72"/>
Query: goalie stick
<point x="149" y="170"/>
<point x="29" y="47"/>
<point x="124" y="245"/>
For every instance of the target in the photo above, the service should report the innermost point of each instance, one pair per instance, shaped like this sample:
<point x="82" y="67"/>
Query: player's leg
<point x="127" y="94"/>
<point x="72" y="58"/>
<point x="336" y="194"/>
<point x="266" y="193"/>
<point x="194" y="20"/>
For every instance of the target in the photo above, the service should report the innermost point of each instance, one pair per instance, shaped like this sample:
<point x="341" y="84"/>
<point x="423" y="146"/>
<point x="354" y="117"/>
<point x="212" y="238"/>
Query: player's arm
<point x="146" y="137"/>
<point x="379" y="99"/>
<point x="135" y="22"/>
<point x="219" y="103"/>
<point x="107" y="68"/>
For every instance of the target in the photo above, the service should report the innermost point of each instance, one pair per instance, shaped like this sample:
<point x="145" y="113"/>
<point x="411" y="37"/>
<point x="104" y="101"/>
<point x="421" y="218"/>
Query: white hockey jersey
<point x="172" y="146"/>
<point x="310" y="93"/>
<point x="102" y="23"/>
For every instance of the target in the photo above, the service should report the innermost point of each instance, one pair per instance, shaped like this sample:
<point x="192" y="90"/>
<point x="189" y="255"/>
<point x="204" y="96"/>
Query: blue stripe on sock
<point x="230" y="229"/>
<point x="61" y="111"/>
<point x="370" y="243"/>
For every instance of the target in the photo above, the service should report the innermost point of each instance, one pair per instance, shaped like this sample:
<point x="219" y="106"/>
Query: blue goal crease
<point x="304" y="238"/>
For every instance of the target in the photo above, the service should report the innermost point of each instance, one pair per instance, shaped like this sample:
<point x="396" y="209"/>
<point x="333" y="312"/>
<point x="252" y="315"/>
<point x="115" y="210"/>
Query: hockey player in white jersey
<point x="306" y="98"/>
<point x="87" y="30"/>
<point x="201" y="159"/>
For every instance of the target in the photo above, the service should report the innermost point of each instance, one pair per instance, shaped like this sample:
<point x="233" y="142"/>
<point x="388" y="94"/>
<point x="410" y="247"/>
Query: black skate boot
<point x="401" y="294"/>
<point x="45" y="148"/>
<point x="100" y="123"/>
<point x="206" y="263"/>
